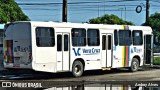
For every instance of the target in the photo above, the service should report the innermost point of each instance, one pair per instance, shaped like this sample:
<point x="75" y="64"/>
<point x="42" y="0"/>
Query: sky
<point x="82" y="10"/>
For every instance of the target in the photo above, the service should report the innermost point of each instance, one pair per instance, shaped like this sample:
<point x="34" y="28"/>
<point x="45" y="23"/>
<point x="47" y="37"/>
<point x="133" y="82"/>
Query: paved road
<point x="149" y="74"/>
<point x="115" y="76"/>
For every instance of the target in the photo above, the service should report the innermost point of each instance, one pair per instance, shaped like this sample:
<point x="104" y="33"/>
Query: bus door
<point x="106" y="50"/>
<point x="62" y="51"/>
<point x="148" y="49"/>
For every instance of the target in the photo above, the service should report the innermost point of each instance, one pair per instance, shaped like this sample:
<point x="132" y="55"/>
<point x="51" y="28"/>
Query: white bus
<point x="61" y="47"/>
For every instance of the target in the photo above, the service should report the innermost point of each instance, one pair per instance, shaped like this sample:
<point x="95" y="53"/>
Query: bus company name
<point x="137" y="50"/>
<point x="85" y="51"/>
<point x="22" y="49"/>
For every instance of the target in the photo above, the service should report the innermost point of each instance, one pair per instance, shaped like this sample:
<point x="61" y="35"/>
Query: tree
<point x="10" y="12"/>
<point x="109" y="19"/>
<point x="154" y="23"/>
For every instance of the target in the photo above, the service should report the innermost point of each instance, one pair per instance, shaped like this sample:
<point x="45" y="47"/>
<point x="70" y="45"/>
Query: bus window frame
<point x="97" y="38"/>
<point x="141" y="38"/>
<point x="52" y="37"/>
<point x="85" y="42"/>
<point x="130" y="38"/>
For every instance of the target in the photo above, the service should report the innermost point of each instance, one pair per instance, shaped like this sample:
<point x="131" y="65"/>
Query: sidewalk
<point x="156" y="66"/>
<point x="153" y="66"/>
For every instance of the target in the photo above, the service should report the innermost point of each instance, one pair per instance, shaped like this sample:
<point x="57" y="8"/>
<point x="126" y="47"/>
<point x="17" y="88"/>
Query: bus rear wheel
<point x="77" y="69"/>
<point x="134" y="65"/>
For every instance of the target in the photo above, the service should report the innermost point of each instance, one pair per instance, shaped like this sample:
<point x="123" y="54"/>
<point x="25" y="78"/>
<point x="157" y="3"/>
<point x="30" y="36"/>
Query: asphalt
<point x="123" y="76"/>
<point x="17" y="74"/>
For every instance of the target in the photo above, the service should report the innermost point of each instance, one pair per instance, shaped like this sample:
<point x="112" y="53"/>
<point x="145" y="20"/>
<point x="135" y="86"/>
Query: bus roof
<point x="85" y="25"/>
<point x="2" y="26"/>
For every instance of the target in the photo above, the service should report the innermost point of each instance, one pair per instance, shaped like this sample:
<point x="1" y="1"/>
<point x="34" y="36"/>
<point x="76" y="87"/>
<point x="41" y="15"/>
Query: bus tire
<point x="77" y="69"/>
<point x="134" y="65"/>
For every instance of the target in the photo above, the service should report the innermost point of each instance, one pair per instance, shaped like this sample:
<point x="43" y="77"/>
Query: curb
<point x="156" y="66"/>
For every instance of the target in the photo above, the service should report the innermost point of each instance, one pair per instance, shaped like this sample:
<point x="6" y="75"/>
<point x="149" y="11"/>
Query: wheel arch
<point x="78" y="67"/>
<point x="135" y="63"/>
<point x="138" y="58"/>
<point x="81" y="60"/>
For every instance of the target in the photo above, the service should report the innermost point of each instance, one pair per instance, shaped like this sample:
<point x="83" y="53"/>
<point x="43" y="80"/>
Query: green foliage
<point x="156" y="61"/>
<point x="154" y="23"/>
<point x="109" y="19"/>
<point x="10" y="12"/>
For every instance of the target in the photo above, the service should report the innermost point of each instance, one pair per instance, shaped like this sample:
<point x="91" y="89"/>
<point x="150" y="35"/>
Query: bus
<point x="76" y="47"/>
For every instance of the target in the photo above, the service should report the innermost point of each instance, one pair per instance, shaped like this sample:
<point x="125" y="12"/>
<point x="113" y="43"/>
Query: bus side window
<point x="125" y="38"/>
<point x="93" y="37"/>
<point x="115" y="37"/>
<point x="137" y="37"/>
<point x="45" y="37"/>
<point x="78" y="37"/>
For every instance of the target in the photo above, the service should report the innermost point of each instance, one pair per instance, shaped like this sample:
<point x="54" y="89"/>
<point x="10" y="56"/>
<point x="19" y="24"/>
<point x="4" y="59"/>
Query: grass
<point x="156" y="61"/>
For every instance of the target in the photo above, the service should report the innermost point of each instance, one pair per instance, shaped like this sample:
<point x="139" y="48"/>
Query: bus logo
<point x="136" y="50"/>
<point x="76" y="52"/>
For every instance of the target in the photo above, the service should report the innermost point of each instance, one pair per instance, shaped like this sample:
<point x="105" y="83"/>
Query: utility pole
<point x="147" y="12"/>
<point x="98" y="8"/>
<point x="125" y="12"/>
<point x="121" y="12"/>
<point x="64" y="11"/>
<point x="104" y="7"/>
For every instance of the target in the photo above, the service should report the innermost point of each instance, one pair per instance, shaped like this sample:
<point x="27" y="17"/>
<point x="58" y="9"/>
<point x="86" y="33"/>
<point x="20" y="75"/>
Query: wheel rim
<point x="77" y="69"/>
<point x="135" y="66"/>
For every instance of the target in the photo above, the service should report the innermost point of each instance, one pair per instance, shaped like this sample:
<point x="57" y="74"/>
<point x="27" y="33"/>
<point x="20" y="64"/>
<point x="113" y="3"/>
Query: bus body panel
<point x="90" y="55"/>
<point x="44" y="58"/>
<point x="124" y="55"/>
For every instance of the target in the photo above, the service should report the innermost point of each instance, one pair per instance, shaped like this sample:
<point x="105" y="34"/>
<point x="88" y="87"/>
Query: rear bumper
<point x="12" y="65"/>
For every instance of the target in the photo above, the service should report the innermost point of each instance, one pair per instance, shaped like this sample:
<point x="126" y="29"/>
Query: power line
<point x="88" y="5"/>
<point x="155" y="1"/>
<point x="83" y="2"/>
